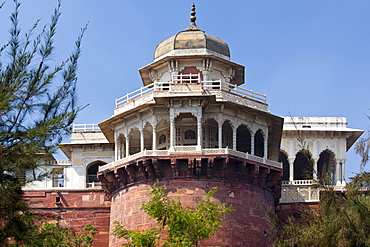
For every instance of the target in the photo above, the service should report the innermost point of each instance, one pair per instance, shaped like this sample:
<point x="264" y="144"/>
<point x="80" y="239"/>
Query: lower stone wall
<point x="246" y="226"/>
<point x="75" y="209"/>
<point x="286" y="210"/>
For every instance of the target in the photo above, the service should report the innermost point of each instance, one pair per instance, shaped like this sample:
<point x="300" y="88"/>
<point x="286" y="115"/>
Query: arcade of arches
<point x="188" y="132"/>
<point x="304" y="167"/>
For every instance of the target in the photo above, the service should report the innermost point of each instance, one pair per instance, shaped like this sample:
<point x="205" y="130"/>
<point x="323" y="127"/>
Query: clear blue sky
<point x="311" y="58"/>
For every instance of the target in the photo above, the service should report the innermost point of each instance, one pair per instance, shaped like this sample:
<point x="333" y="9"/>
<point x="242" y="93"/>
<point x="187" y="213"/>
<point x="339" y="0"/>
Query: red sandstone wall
<point x="285" y="210"/>
<point x="76" y="209"/>
<point x="246" y="226"/>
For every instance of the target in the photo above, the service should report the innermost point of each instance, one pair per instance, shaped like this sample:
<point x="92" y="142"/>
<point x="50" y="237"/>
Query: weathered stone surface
<point x="246" y="226"/>
<point x="75" y="209"/>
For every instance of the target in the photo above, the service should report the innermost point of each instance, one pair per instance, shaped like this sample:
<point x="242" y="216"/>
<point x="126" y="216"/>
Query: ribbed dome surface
<point x="191" y="40"/>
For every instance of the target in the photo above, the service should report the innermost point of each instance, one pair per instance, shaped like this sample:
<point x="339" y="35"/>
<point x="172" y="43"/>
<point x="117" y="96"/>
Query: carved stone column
<point x="314" y="174"/>
<point x="200" y="133"/>
<point x="234" y="138"/>
<point x="266" y="137"/>
<point x="337" y="177"/>
<point x="339" y="173"/>
<point x="141" y="139"/>
<point x="219" y="122"/>
<point x="343" y="162"/>
<point x="252" y="141"/>
<point x="154" y="145"/>
<point x="117" y="148"/>
<point x="291" y="169"/>
<point x="127" y="144"/>
<point x="172" y="129"/>
<point x="207" y="65"/>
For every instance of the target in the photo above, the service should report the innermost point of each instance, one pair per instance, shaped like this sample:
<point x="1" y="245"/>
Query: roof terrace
<point x="191" y="85"/>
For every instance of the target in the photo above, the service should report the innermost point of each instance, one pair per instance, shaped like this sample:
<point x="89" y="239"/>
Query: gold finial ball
<point x="192" y="17"/>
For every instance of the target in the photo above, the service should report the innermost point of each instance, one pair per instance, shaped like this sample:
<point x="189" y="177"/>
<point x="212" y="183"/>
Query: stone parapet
<point x="197" y="166"/>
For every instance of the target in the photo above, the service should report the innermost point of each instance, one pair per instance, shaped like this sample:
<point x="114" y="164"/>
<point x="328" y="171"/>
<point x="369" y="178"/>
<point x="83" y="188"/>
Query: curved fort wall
<point x="252" y="189"/>
<point x="246" y="226"/>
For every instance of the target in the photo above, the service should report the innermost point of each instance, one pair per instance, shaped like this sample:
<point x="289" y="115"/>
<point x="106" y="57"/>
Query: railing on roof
<point x="210" y="86"/>
<point x="60" y="162"/>
<point x="300" y="182"/>
<point x="233" y="88"/>
<point x="303" y="193"/>
<point x="135" y="95"/>
<point x="86" y="128"/>
<point x="186" y="78"/>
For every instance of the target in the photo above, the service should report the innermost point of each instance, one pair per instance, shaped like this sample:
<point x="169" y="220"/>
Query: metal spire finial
<point x="192" y="17"/>
<point x="192" y="26"/>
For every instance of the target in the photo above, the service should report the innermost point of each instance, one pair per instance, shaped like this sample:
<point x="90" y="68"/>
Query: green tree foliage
<point x="37" y="107"/>
<point x="342" y="219"/>
<point x="54" y="235"/>
<point x="184" y="225"/>
<point x="363" y="148"/>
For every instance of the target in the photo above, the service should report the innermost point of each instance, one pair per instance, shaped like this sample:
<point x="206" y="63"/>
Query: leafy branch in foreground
<point x="185" y="226"/>
<point x="363" y="149"/>
<point x="342" y="219"/>
<point x="54" y="235"/>
<point x="37" y="107"/>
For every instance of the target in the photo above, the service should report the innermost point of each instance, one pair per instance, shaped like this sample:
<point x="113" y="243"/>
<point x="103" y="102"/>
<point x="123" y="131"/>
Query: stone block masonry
<point x="75" y="209"/>
<point x="246" y="226"/>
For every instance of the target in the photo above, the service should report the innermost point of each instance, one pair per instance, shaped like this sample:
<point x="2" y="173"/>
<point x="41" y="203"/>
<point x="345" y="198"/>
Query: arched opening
<point x="91" y="174"/>
<point x="259" y="145"/>
<point x="134" y="141"/>
<point x="163" y="133"/>
<point x="190" y="75"/>
<point x="326" y="166"/>
<point x="148" y="136"/>
<point x="121" y="146"/>
<point x="303" y="168"/>
<point x="186" y="130"/>
<point x="227" y="135"/>
<point x="283" y="158"/>
<point x="210" y="133"/>
<point x="243" y="139"/>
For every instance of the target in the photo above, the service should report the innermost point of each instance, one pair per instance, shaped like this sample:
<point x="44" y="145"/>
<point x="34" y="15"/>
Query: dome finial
<point x="192" y="17"/>
<point x="192" y="26"/>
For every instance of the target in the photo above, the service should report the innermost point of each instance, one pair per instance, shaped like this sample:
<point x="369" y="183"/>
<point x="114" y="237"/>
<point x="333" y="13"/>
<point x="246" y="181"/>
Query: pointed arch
<point x="91" y="172"/>
<point x="186" y="129"/>
<point x="283" y="158"/>
<point x="163" y="134"/>
<point x="326" y="166"/>
<point x="303" y="165"/>
<point x="210" y="133"/>
<point x="148" y="136"/>
<point x="259" y="143"/>
<point x="227" y="134"/>
<point x="134" y="140"/>
<point x="243" y="139"/>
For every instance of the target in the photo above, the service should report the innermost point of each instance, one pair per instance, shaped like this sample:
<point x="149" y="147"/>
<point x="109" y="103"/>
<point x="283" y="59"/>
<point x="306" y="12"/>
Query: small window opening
<point x="190" y="134"/>
<point x="58" y="177"/>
